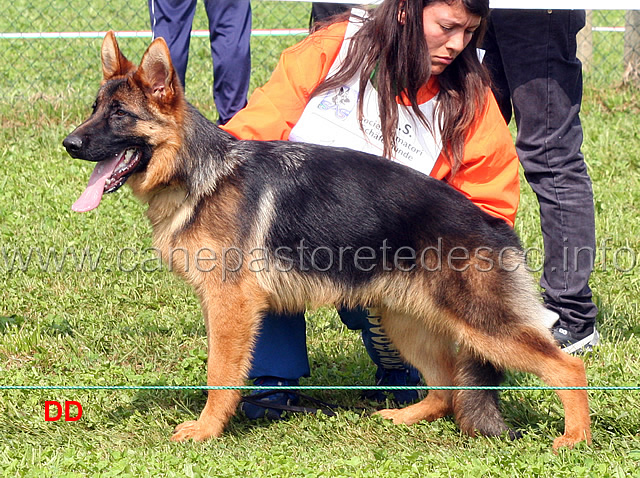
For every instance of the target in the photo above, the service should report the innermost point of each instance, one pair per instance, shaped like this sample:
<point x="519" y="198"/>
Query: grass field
<point x="120" y="318"/>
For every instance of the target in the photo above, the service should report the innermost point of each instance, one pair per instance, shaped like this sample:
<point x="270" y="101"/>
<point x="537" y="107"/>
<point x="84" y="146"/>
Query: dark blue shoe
<point x="395" y="377"/>
<point x="257" y="404"/>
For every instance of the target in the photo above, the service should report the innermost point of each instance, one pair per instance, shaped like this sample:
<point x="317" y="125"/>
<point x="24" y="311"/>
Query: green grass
<point x="124" y="320"/>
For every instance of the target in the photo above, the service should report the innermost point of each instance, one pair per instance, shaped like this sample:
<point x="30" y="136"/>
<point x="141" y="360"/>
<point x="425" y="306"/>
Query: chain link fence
<point x="609" y="47"/>
<point x="50" y="50"/>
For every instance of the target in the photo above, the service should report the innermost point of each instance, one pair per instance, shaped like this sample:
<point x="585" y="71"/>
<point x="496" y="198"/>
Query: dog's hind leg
<point x="477" y="411"/>
<point x="232" y="316"/>
<point x="569" y="372"/>
<point x="433" y="356"/>
<point x="530" y="349"/>
<point x="563" y="370"/>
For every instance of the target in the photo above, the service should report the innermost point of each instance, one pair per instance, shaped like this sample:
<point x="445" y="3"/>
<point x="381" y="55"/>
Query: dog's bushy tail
<point x="478" y="411"/>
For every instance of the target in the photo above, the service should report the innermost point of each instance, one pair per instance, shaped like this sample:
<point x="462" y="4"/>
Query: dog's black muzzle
<point x="73" y="145"/>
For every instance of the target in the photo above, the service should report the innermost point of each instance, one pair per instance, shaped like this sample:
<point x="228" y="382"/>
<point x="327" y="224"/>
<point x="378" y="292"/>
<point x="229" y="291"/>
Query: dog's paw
<point x="429" y="409"/>
<point x="195" y="430"/>
<point x="398" y="416"/>
<point x="566" y="441"/>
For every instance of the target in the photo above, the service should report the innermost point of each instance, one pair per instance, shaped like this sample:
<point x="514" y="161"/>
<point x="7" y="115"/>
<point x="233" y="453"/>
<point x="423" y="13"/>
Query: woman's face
<point x="448" y="29"/>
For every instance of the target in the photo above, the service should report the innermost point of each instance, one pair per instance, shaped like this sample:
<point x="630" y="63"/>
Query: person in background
<point x="229" y="34"/>
<point x="531" y="55"/>
<point x="322" y="10"/>
<point x="427" y="104"/>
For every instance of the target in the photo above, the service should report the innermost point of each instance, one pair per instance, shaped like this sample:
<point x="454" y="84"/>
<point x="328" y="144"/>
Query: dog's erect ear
<point x="156" y="72"/>
<point x="114" y="62"/>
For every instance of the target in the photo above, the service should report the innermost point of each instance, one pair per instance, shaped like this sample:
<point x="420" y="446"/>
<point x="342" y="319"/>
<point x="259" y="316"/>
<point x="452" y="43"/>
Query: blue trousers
<point x="281" y="349"/>
<point x="229" y="34"/>
<point x="531" y="55"/>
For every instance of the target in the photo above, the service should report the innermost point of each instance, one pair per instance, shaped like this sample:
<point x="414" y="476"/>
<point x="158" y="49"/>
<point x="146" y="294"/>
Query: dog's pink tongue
<point x="91" y="197"/>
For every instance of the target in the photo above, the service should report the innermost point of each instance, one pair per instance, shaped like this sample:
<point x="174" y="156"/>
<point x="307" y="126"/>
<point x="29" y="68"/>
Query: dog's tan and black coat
<point x="330" y="226"/>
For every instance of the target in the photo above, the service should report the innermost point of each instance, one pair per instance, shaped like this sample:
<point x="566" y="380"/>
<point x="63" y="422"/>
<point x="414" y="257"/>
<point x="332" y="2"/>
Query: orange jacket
<point x="489" y="172"/>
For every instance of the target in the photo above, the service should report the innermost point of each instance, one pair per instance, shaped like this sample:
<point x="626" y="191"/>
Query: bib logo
<point x="48" y="404"/>
<point x="338" y="99"/>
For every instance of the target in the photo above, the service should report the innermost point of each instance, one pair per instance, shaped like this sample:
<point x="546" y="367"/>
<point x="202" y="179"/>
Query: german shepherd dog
<point x="279" y="226"/>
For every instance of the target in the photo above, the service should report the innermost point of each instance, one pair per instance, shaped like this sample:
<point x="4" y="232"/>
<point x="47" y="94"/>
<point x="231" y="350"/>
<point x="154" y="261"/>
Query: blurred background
<point x="50" y="50"/>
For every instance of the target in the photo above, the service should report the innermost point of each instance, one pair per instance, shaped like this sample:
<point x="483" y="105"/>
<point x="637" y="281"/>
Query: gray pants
<point x="532" y="58"/>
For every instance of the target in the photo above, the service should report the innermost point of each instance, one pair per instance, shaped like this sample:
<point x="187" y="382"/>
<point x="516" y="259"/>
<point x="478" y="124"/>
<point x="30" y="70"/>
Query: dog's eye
<point x="120" y="112"/>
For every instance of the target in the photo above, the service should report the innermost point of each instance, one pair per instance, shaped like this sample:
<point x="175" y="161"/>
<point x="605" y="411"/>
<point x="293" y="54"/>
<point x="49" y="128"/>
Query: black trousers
<point x="323" y="10"/>
<point x="532" y="58"/>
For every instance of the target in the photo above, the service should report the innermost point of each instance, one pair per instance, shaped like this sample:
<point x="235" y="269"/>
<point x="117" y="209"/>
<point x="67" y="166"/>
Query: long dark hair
<point x="398" y="56"/>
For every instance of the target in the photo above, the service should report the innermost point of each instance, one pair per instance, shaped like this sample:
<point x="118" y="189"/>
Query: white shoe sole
<point x="587" y="343"/>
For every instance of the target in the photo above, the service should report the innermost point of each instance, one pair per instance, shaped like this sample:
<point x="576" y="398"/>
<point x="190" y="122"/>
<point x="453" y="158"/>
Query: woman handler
<point x="404" y="81"/>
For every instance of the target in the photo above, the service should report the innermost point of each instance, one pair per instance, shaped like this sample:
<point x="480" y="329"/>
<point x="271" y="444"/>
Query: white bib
<point x="331" y="120"/>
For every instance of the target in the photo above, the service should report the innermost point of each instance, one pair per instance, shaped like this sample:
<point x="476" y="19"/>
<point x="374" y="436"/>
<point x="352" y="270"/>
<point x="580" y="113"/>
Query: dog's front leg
<point x="232" y="315"/>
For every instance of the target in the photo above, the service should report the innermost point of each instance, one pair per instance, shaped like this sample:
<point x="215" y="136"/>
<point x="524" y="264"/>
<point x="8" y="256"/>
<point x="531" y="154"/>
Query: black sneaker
<point x="571" y="343"/>
<point x="395" y="377"/>
<point x="257" y="405"/>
